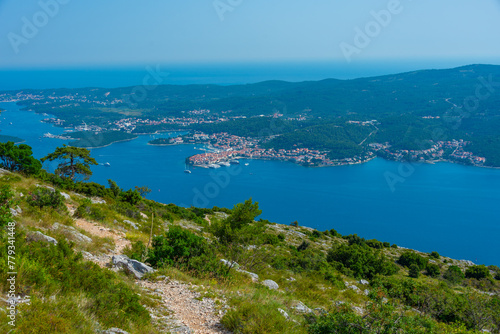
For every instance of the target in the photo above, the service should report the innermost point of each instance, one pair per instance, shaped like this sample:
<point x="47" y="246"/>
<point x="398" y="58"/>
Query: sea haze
<point x="222" y="74"/>
<point x="448" y="208"/>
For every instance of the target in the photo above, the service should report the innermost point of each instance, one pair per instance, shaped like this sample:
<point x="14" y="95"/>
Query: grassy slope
<point x="57" y="307"/>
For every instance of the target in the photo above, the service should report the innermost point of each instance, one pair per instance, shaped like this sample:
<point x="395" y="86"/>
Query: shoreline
<point x="118" y="141"/>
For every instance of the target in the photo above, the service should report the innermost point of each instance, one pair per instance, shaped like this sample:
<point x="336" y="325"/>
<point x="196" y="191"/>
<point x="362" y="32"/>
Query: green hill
<point x="274" y="278"/>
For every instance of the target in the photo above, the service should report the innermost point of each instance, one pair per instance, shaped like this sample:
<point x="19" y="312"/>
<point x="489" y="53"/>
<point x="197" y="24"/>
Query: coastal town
<point x="452" y="151"/>
<point x="224" y="148"/>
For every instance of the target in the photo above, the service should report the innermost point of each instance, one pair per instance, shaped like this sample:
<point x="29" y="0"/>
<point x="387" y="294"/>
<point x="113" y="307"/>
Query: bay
<point x="448" y="208"/>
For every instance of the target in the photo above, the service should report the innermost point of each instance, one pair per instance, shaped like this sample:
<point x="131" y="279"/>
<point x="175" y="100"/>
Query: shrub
<point x="303" y="246"/>
<point x="386" y="244"/>
<point x="44" y="197"/>
<point x="271" y="239"/>
<point x="334" y="233"/>
<point x="316" y="234"/>
<point x="138" y="251"/>
<point x="408" y="258"/>
<point x="414" y="270"/>
<point x="394" y="246"/>
<point x="454" y="275"/>
<point x="360" y="261"/>
<point x="432" y="270"/>
<point x="87" y="210"/>
<point x="354" y="239"/>
<point x="375" y="244"/>
<point x="130" y="196"/>
<point x="295" y="224"/>
<point x="435" y="255"/>
<point x="176" y="246"/>
<point x="477" y="272"/>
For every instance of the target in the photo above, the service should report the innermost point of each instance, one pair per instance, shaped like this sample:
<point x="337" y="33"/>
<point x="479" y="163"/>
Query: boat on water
<point x="187" y="171"/>
<point x="247" y="164"/>
<point x="224" y="163"/>
<point x="106" y="164"/>
<point x="234" y="162"/>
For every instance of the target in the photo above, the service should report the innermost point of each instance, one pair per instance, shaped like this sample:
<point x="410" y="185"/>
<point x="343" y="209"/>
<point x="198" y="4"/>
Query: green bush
<point x="360" y="261"/>
<point x="303" y="246"/>
<point x="138" y="251"/>
<point x="316" y="234"/>
<point x="334" y="233"/>
<point x="374" y="244"/>
<point x="186" y="250"/>
<point x="477" y="272"/>
<point x="408" y="258"/>
<point x="44" y="197"/>
<point x="130" y="196"/>
<point x="432" y="270"/>
<point x="454" y="275"/>
<point x="414" y="271"/>
<point x="88" y="210"/>
<point x="271" y="239"/>
<point x="435" y="255"/>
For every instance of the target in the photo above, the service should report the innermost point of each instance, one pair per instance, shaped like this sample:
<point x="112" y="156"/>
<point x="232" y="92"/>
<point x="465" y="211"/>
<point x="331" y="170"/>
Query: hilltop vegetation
<point x="264" y="277"/>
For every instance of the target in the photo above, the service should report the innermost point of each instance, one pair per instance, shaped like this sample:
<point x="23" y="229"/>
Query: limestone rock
<point x="231" y="264"/>
<point x="136" y="268"/>
<point x="283" y="312"/>
<point x="301" y="307"/>
<point x="114" y="330"/>
<point x="39" y="236"/>
<point x="74" y="234"/>
<point x="254" y="276"/>
<point x="271" y="284"/>
<point x="134" y="225"/>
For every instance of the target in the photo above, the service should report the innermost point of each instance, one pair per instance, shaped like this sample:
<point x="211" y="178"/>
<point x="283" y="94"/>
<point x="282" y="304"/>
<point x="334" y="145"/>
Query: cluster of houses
<point x="225" y="147"/>
<point x="452" y="150"/>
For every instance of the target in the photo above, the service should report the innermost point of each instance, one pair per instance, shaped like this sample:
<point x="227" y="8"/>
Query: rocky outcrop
<point x="134" y="225"/>
<point x="301" y="307"/>
<point x="134" y="267"/>
<point x="39" y="236"/>
<point x="71" y="233"/>
<point x="271" y="284"/>
<point x="114" y="330"/>
<point x="16" y="211"/>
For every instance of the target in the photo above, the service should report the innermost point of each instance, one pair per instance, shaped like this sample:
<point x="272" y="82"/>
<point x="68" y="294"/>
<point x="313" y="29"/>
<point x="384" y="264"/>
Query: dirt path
<point x="188" y="313"/>
<point x="191" y="314"/>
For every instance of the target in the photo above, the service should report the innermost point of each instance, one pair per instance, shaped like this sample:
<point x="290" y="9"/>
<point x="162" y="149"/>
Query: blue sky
<point x="138" y="32"/>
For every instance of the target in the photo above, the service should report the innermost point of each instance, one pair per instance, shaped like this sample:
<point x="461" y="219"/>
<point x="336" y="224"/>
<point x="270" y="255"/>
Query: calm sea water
<point x="448" y="208"/>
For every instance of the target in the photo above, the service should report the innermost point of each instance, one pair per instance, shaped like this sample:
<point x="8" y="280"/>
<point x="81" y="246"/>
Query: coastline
<point x="118" y="141"/>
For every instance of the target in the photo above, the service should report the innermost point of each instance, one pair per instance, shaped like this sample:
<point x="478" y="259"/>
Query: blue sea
<point x="448" y="208"/>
